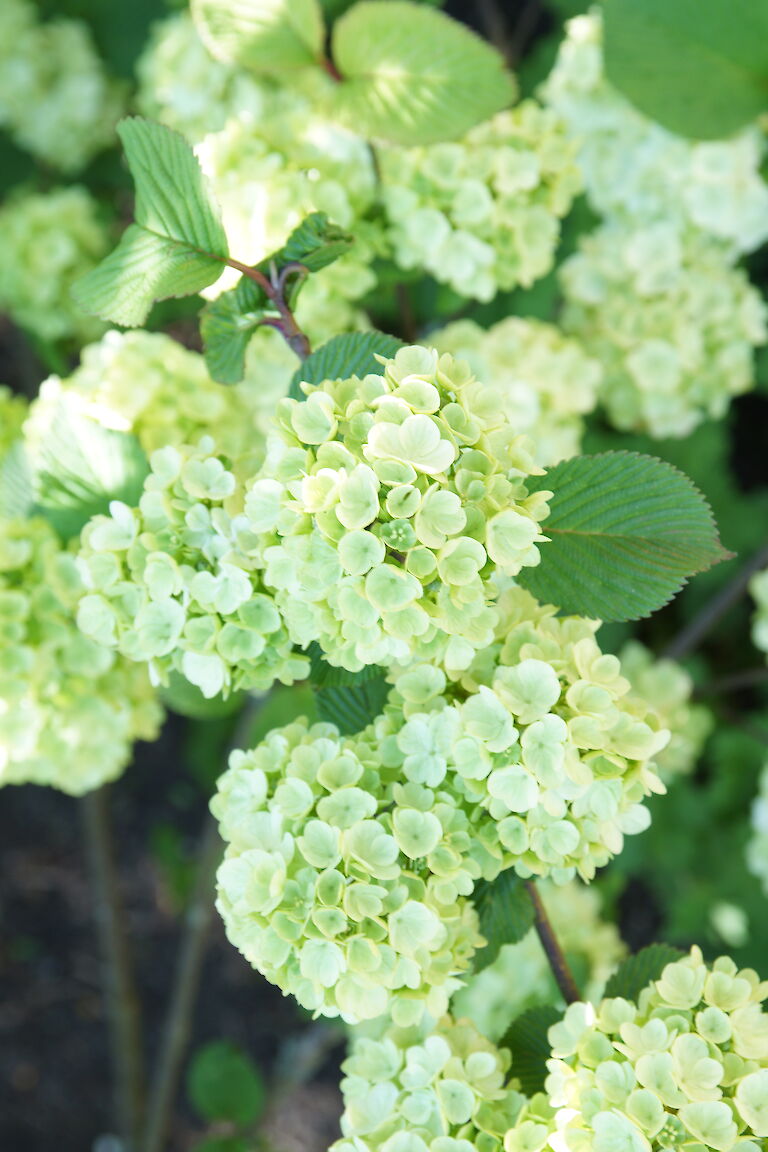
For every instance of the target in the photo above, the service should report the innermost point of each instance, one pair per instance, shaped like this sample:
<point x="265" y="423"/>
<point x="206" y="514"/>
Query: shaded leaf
<point x="639" y="970"/>
<point x="414" y="76"/>
<point x="261" y="35"/>
<point x="16" y="491"/>
<point x="352" y="354"/>
<point x="352" y="707"/>
<point x="322" y="674"/>
<point x="527" y="1040"/>
<point x="224" y="1084"/>
<point x="625" y="534"/>
<point x="506" y="914"/>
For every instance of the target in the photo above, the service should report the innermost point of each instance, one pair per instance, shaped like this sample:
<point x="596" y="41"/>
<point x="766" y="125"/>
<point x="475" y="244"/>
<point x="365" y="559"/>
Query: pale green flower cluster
<point x="344" y="882"/>
<point x="150" y="385"/>
<point x="673" y="324"/>
<point x="56" y="99"/>
<point x="386" y="505"/>
<point x="438" y="1088"/>
<point x="686" y="1067"/>
<point x="757" y="847"/>
<point x="545" y="382"/>
<point x="171" y="582"/>
<point x="758" y="587"/>
<point x="483" y="213"/>
<point x="668" y="688"/>
<point x="48" y="240"/>
<point x="181" y="85"/>
<point x="541" y="740"/>
<point x="637" y="171"/>
<point x="520" y="977"/>
<point x="69" y="709"/>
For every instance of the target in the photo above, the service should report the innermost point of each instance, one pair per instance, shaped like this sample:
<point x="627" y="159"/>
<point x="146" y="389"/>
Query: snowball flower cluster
<point x="483" y="213"/>
<point x="757" y="846"/>
<point x="685" y="1067"/>
<point x="636" y="171"/>
<point x="170" y="583"/>
<point x="343" y="884"/>
<point x="545" y="381"/>
<point x="384" y="507"/>
<point x="672" y="323"/>
<point x="69" y="709"/>
<point x="520" y="977"/>
<point x="439" y="1088"/>
<point x="540" y="738"/>
<point x="668" y="688"/>
<point x="56" y="99"/>
<point x="48" y="240"/>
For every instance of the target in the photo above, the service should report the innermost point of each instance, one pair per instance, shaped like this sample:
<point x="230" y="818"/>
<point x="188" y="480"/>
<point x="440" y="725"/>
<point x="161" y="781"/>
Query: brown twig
<point x="121" y="996"/>
<point x="549" y="943"/>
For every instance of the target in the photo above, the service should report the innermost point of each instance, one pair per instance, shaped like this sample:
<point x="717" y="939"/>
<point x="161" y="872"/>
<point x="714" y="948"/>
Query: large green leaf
<point x="352" y="706"/>
<point x="261" y="35"/>
<point x="639" y="970"/>
<point x="412" y="75"/>
<point x="506" y="914"/>
<point x="699" y="67"/>
<point x="625" y="533"/>
<point x="224" y="1084"/>
<point x="527" y="1040"/>
<point x="177" y="244"/>
<point x="351" y="354"/>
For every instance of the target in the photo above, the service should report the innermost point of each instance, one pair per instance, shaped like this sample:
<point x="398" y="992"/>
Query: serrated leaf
<point x="322" y="674"/>
<point x="16" y="491"/>
<point x="261" y="35"/>
<point x="506" y="914"/>
<point x="699" y="67"/>
<point x="177" y="244"/>
<point x="351" y="354"/>
<point x="352" y="707"/>
<point x="625" y="534"/>
<point x="78" y="468"/>
<point x="412" y="75"/>
<point x="527" y="1040"/>
<point x="224" y="1084"/>
<point x="639" y="970"/>
<point x="315" y="243"/>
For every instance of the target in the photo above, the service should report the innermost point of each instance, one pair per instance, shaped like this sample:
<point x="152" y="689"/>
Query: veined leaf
<point x="412" y="75"/>
<point x="261" y="35"/>
<point x="352" y="707"/>
<point x="506" y="914"/>
<point x="324" y="675"/>
<point x="699" y="67"/>
<point x="625" y="533"/>
<point x="315" y="243"/>
<point x="639" y="970"/>
<point x="527" y="1039"/>
<point x="224" y="1084"/>
<point x="177" y="244"/>
<point x="351" y="354"/>
<point x="16" y="492"/>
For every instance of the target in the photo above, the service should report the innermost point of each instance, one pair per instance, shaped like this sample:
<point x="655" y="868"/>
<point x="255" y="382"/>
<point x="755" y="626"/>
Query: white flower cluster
<point x="668" y="688"/>
<point x="438" y="1088"/>
<point x="48" y="240"/>
<point x="757" y="846"/>
<point x="483" y="213"/>
<point x="56" y="99"/>
<point x="545" y="382"/>
<point x="672" y="323"/>
<point x="637" y="171"/>
<point x="171" y="583"/>
<point x="385" y="506"/>
<point x="69" y="709"/>
<point x="520" y="977"/>
<point x="686" y="1067"/>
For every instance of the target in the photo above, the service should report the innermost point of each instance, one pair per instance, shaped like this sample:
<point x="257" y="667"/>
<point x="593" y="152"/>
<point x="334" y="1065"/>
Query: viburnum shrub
<point x="423" y="296"/>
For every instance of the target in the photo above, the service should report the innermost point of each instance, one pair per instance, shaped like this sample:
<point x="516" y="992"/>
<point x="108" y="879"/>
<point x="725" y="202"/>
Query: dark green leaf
<point x="322" y="674"/>
<point x="639" y="970"/>
<point x="699" y="67"/>
<point x="224" y="1084"/>
<point x="352" y="707"/>
<point x="506" y="914"/>
<point x="352" y="354"/>
<point x="223" y="1144"/>
<point x="315" y="243"/>
<point x="625" y="534"/>
<point x="527" y="1040"/>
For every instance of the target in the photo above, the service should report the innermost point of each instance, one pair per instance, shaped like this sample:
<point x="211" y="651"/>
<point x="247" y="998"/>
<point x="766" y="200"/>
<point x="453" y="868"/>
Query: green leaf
<point x="527" y="1040"/>
<point x="315" y="243"/>
<point x="639" y="970"/>
<point x="352" y="707"/>
<point x="506" y="914"/>
<point x="261" y="35"/>
<point x="413" y="76"/>
<point x="224" y="1084"/>
<point x="322" y="674"/>
<point x="352" y="354"/>
<point x="699" y="67"/>
<point x="78" y="468"/>
<point x="223" y="1144"/>
<point x="16" y="491"/>
<point x="625" y="533"/>
<point x="177" y="244"/>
